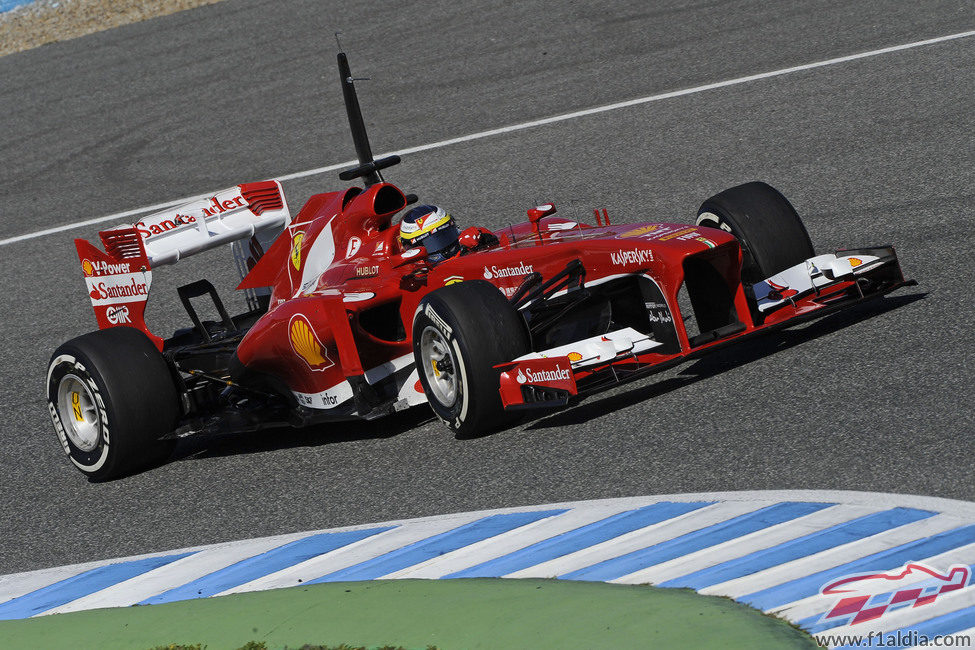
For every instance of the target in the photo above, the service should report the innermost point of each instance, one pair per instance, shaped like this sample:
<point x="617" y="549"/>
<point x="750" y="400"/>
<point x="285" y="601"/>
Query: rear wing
<point x="119" y="278"/>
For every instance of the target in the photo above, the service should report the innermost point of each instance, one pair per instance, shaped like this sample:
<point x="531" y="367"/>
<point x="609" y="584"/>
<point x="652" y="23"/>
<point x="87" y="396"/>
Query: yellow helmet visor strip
<point x="424" y="226"/>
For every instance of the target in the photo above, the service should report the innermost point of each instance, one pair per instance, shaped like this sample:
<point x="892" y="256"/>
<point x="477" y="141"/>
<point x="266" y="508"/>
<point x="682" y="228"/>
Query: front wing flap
<point x="549" y="378"/>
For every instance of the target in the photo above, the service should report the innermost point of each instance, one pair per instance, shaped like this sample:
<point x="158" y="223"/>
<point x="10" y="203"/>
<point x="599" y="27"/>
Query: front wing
<point x="810" y="289"/>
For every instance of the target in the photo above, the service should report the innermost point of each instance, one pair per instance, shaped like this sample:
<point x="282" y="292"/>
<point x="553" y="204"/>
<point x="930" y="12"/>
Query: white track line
<point x="519" y="127"/>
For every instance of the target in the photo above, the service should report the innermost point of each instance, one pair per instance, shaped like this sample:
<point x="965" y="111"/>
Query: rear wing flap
<point x="230" y="215"/>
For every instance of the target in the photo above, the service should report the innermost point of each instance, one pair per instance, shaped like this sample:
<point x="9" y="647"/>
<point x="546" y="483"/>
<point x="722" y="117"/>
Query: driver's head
<point x="432" y="228"/>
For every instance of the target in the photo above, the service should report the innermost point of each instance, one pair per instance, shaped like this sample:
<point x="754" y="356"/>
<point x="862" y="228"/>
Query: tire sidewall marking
<point x="465" y="393"/>
<point x="94" y="460"/>
<point x="453" y="417"/>
<point x="710" y="216"/>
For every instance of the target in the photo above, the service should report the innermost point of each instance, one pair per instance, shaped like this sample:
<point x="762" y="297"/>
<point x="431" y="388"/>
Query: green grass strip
<point x="449" y="614"/>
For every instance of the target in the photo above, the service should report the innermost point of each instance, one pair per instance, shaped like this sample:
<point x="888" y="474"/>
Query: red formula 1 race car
<point x="356" y="315"/>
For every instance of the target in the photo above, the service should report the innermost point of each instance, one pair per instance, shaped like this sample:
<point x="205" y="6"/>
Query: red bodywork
<point x="341" y="259"/>
<point x="344" y="293"/>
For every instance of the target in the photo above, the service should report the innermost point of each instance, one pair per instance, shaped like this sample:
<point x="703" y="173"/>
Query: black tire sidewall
<point x="770" y="231"/>
<point x="135" y="395"/>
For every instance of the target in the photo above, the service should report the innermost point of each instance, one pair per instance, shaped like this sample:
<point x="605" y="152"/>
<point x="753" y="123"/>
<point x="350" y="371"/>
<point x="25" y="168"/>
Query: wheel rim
<point x="440" y="366"/>
<point x="79" y="413"/>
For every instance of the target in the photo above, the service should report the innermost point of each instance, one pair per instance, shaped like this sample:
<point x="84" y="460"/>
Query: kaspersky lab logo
<point x="865" y="597"/>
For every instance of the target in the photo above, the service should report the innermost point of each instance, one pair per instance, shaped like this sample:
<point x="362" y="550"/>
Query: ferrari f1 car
<point x="344" y="322"/>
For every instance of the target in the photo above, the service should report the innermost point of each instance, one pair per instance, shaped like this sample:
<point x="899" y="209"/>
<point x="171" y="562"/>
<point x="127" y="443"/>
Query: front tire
<point x="771" y="234"/>
<point x="460" y="332"/>
<point x="111" y="396"/>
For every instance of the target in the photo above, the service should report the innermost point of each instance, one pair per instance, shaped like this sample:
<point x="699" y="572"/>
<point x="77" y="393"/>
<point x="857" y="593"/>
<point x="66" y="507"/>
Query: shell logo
<point x="306" y="345"/>
<point x="574" y="356"/>
<point x="296" y="249"/>
<point x="521" y="377"/>
<point x="854" y="261"/>
<point x="87" y="267"/>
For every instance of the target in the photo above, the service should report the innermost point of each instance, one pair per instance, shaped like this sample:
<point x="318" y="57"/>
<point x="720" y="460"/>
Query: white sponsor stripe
<point x="740" y="546"/>
<point x="639" y="539"/>
<point x="327" y="399"/>
<point x="384" y="370"/>
<point x="353" y="554"/>
<point x="802" y="609"/>
<point x="519" y="127"/>
<point x="493" y="547"/>
<point x="176" y="574"/>
<point x="832" y="557"/>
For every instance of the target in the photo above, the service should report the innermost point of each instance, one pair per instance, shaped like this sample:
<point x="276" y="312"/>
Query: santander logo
<point x="542" y="376"/>
<point x="147" y="230"/>
<point x="120" y="286"/>
<point x="507" y="271"/>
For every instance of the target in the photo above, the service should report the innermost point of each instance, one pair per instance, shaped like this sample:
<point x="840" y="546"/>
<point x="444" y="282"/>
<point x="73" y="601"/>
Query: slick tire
<point x="769" y="229"/>
<point x="460" y="332"/>
<point x="111" y="396"/>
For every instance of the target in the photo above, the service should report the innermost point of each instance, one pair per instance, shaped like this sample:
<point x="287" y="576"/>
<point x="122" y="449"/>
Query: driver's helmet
<point x="432" y="228"/>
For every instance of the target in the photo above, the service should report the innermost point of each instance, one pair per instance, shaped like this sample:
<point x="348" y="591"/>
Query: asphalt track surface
<point x="877" y="150"/>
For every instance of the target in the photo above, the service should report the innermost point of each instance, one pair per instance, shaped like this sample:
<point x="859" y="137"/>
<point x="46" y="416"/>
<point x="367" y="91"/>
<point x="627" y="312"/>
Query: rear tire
<point x="460" y="332"/>
<point x="769" y="229"/>
<point x="111" y="396"/>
